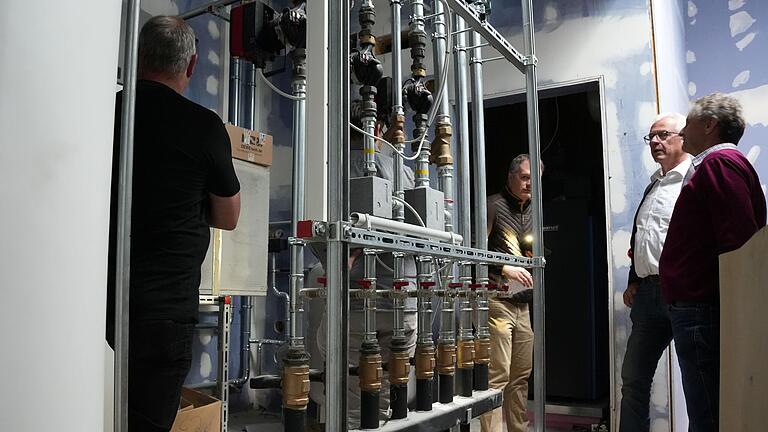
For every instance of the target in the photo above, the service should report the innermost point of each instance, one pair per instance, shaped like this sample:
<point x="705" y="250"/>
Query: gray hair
<point x="166" y="44"/>
<point x="514" y="166"/>
<point x="677" y="117"/>
<point x="726" y="110"/>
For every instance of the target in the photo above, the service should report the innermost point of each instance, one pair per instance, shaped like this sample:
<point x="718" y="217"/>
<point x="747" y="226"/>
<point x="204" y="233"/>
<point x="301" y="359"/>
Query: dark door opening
<point x="573" y="183"/>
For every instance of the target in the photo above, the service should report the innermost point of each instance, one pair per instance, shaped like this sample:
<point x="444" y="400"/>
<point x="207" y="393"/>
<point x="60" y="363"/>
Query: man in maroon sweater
<point x="721" y="206"/>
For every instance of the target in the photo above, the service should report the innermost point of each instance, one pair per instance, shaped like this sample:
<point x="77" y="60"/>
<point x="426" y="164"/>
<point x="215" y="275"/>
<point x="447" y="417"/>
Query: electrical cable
<point x="409" y="207"/>
<point x="260" y="73"/>
<point x="557" y="125"/>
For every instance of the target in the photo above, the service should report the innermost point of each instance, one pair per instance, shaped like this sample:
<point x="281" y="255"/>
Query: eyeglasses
<point x="663" y="135"/>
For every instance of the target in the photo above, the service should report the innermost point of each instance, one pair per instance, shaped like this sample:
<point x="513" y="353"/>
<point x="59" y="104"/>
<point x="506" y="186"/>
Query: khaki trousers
<point x="511" y="363"/>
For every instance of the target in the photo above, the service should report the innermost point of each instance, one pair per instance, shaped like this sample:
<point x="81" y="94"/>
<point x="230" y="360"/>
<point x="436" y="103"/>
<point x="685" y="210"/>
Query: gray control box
<point x="371" y="195"/>
<point x="430" y="204"/>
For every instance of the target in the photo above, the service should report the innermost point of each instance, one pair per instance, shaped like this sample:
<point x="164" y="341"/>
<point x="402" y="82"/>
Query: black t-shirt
<point x="181" y="154"/>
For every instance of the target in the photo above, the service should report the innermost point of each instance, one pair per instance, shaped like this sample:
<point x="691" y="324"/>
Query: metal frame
<point x="338" y="141"/>
<point x="125" y="197"/>
<point x="222" y="376"/>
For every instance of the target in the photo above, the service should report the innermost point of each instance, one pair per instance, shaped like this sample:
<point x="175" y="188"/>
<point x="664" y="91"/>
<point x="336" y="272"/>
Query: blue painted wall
<point x="727" y="44"/>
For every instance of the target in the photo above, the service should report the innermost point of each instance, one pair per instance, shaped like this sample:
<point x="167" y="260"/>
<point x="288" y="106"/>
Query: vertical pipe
<point x="425" y="349"/>
<point x="235" y="81"/>
<point x="125" y="197"/>
<point x="478" y="121"/>
<point x="370" y="370"/>
<point x="338" y="177"/>
<point x="252" y="120"/>
<point x="295" y="380"/>
<point x="462" y="120"/>
<point x="417" y="38"/>
<point x="539" y="389"/>
<point x="482" y="340"/>
<point x="466" y="346"/>
<point x="399" y="366"/>
<point x="299" y="88"/>
<point x="397" y="110"/>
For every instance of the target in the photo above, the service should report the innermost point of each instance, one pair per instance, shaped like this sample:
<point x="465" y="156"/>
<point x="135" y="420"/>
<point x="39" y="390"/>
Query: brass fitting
<point x="370" y="372"/>
<point x="482" y="351"/>
<point x="466" y="355"/>
<point x="394" y="133"/>
<point x="418" y="71"/>
<point x="446" y="359"/>
<point x="399" y="367"/>
<point x="367" y="39"/>
<point x="296" y="387"/>
<point x="425" y="362"/>
<point x="441" y="145"/>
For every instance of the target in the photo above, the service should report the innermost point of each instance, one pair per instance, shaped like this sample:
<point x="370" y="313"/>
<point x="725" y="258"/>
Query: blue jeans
<point x="696" y="328"/>
<point x="650" y="336"/>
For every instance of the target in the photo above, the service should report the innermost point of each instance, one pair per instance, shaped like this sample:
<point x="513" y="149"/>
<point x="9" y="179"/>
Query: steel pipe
<point x="425" y="348"/>
<point x="369" y="369"/>
<point x="534" y="150"/>
<point x="337" y="304"/>
<point x="235" y="83"/>
<point x="124" y="203"/>
<point x="367" y="221"/>
<point x="398" y="113"/>
<point x="299" y="89"/>
<point x="462" y="120"/>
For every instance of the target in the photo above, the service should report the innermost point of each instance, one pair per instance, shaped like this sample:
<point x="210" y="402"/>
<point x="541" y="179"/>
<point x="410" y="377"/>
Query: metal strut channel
<point x="360" y="237"/>
<point x="494" y="38"/>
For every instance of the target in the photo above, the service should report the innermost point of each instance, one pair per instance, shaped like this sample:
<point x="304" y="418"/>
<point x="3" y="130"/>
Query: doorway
<point x="575" y="231"/>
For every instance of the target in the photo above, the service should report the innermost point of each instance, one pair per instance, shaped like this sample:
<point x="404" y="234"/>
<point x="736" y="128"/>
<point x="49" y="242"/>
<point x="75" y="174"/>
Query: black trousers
<point x="159" y="359"/>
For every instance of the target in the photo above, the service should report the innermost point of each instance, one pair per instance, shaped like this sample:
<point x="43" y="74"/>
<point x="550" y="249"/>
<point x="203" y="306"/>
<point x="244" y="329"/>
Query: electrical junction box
<point x="429" y="203"/>
<point x="371" y="195"/>
<point x="236" y="262"/>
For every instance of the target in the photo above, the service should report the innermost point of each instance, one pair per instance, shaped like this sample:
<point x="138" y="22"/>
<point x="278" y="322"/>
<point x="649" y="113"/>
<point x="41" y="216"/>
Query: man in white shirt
<point x="651" y="327"/>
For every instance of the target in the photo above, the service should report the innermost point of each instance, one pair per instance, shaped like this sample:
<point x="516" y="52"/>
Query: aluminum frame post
<point x="534" y="150"/>
<point x="337" y="302"/>
<point x="124" y="202"/>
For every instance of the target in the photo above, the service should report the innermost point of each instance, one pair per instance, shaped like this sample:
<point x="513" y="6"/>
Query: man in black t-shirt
<point x="183" y="183"/>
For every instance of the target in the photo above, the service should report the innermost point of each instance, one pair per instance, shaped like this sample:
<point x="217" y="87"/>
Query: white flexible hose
<point x="260" y="73"/>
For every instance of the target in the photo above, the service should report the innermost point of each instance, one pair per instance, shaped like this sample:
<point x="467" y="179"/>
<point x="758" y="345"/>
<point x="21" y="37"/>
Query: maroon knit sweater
<point x="719" y="209"/>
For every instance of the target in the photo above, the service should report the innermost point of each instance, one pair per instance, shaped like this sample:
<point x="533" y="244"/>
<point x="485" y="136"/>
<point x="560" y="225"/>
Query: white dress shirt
<point x="653" y="218"/>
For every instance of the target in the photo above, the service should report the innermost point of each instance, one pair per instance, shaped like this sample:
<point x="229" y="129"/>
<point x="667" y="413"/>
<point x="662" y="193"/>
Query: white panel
<point x="58" y="64"/>
<point x="244" y="250"/>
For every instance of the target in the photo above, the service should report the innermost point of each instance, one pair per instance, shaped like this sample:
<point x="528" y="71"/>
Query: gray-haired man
<point x="651" y="328"/>
<point x="183" y="183"/>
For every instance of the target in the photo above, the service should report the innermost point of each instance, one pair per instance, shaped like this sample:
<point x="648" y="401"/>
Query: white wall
<point x="58" y="62"/>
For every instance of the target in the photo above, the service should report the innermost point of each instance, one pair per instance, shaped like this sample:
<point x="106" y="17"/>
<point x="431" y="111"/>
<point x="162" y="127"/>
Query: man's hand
<point x="518" y="274"/>
<point x="629" y="294"/>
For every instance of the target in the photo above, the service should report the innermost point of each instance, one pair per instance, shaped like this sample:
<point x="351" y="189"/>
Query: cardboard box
<point x="198" y="413"/>
<point x="250" y="146"/>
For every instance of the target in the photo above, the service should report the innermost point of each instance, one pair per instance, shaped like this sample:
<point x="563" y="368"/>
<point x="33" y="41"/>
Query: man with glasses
<point x="720" y="207"/>
<point x="651" y="327"/>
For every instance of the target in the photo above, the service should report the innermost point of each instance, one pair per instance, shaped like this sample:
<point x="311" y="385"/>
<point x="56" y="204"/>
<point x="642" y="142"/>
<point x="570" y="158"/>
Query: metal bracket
<point x="539" y="262"/>
<point x="487" y="31"/>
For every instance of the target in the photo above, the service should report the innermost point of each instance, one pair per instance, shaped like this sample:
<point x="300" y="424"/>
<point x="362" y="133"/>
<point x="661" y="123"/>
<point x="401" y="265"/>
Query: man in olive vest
<point x="509" y="231"/>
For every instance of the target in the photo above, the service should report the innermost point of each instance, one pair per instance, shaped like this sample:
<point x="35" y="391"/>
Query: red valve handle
<point x="365" y="284"/>
<point x="475" y="286"/>
<point x="322" y="280"/>
<point x="455" y="285"/>
<point x="400" y="284"/>
<point x="428" y="284"/>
